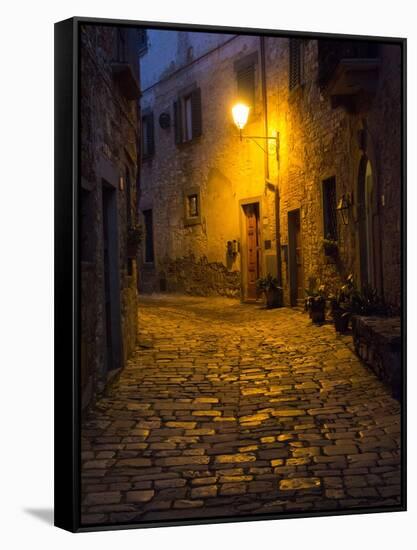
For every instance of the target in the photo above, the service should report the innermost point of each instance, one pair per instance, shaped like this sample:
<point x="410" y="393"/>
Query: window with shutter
<point x="148" y="140"/>
<point x="188" y="117"/>
<point x="196" y="115"/>
<point x="246" y="85"/>
<point x="329" y="209"/>
<point x="296" y="63"/>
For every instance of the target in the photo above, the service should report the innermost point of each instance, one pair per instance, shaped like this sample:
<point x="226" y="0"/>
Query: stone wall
<point x="377" y="341"/>
<point x="226" y="171"/>
<point x="109" y="133"/>
<point x="199" y="277"/>
<point x="318" y="140"/>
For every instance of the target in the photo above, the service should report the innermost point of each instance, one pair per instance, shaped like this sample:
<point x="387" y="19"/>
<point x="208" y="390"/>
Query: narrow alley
<point x="228" y="409"/>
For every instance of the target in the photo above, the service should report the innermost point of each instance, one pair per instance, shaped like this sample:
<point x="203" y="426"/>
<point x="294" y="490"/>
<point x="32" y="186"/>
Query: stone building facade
<point x="108" y="201"/>
<point x="318" y="201"/>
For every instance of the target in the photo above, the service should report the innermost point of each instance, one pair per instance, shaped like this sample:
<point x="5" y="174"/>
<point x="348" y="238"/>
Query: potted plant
<point x="315" y="304"/>
<point x="269" y="286"/>
<point x="330" y="247"/>
<point x="341" y="305"/>
<point x="367" y="302"/>
<point x="134" y="238"/>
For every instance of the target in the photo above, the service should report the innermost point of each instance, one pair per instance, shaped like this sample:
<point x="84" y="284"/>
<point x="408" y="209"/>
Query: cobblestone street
<point x="232" y="409"/>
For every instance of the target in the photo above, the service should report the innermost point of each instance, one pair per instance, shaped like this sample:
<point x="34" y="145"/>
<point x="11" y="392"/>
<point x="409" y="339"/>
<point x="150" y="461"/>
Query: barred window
<point x="296" y="63"/>
<point x="329" y="209"/>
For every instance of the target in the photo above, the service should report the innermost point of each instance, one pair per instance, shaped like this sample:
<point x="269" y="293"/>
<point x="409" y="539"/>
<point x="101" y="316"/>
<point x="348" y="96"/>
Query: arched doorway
<point x="367" y="226"/>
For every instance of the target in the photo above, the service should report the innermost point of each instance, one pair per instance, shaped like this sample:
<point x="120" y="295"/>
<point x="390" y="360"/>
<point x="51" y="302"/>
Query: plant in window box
<point x="330" y="247"/>
<point x="269" y="286"/>
<point x="134" y="238"/>
<point x="315" y="303"/>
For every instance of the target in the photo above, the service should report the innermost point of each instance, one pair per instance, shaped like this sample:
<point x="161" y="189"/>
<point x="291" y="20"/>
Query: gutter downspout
<point x="266" y="162"/>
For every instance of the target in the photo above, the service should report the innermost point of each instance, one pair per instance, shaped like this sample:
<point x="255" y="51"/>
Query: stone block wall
<point x="223" y="168"/>
<point x="317" y="141"/>
<point x="377" y="341"/>
<point x="109" y="135"/>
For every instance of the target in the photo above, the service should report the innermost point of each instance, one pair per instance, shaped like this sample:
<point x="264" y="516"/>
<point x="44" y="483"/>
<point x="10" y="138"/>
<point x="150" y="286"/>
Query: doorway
<point x="112" y="321"/>
<point x="252" y="254"/>
<point x="366" y="224"/>
<point x="295" y="260"/>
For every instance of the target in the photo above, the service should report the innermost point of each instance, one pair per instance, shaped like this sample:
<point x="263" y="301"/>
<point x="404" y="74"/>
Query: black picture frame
<point x="67" y="272"/>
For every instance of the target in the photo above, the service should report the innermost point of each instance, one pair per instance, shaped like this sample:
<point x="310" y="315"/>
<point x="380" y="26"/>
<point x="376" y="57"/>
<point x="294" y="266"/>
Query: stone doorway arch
<point x="368" y="225"/>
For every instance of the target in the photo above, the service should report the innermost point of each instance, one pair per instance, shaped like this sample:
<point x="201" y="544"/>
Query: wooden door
<point x="295" y="258"/>
<point x="252" y="249"/>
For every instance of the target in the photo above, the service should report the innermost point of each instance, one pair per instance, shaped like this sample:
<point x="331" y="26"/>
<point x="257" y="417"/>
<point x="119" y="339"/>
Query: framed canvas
<point x="230" y="274"/>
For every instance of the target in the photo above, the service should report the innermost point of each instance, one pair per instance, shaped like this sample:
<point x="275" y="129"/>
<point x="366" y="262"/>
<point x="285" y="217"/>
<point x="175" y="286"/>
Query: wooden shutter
<point x="177" y="121"/>
<point x="246" y="85"/>
<point x="196" y="116"/>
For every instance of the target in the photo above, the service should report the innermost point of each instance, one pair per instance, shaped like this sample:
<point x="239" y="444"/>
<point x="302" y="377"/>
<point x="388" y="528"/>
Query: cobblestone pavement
<point x="230" y="409"/>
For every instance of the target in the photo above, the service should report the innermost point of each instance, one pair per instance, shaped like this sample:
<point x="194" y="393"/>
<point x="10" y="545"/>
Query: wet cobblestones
<point x="230" y="409"/>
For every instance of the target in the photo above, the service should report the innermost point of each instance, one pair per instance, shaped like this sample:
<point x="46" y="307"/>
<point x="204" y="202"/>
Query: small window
<point x="192" y="206"/>
<point x="187" y="117"/>
<point x="149" y="246"/>
<point x="246" y="85"/>
<point x="329" y="209"/>
<point x="296" y="63"/>
<point x="148" y="140"/>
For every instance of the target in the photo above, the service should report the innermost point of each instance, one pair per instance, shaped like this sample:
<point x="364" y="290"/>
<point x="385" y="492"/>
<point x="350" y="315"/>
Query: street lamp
<point x="343" y="207"/>
<point x="240" y="113"/>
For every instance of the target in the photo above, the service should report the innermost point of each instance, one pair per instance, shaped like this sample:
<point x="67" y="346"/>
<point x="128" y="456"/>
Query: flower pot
<point x="273" y="298"/>
<point x="317" y="314"/>
<point x="341" y="322"/>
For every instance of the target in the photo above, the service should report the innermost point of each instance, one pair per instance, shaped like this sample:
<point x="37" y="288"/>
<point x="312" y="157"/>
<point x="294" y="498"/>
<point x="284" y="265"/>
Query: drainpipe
<point x="266" y="161"/>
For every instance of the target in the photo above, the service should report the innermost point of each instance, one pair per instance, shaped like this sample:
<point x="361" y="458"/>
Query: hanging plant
<point x="330" y="247"/>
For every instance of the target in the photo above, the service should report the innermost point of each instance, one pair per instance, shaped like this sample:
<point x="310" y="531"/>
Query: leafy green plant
<point x="368" y="302"/>
<point x="267" y="283"/>
<point x="269" y="286"/>
<point x="330" y="245"/>
<point x="349" y="300"/>
<point x="315" y="298"/>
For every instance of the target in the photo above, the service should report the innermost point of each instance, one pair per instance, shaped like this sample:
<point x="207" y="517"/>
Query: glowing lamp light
<point x="240" y="114"/>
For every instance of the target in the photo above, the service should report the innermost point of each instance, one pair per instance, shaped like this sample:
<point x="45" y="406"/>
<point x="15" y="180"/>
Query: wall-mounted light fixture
<point x="240" y="113"/>
<point x="343" y="207"/>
